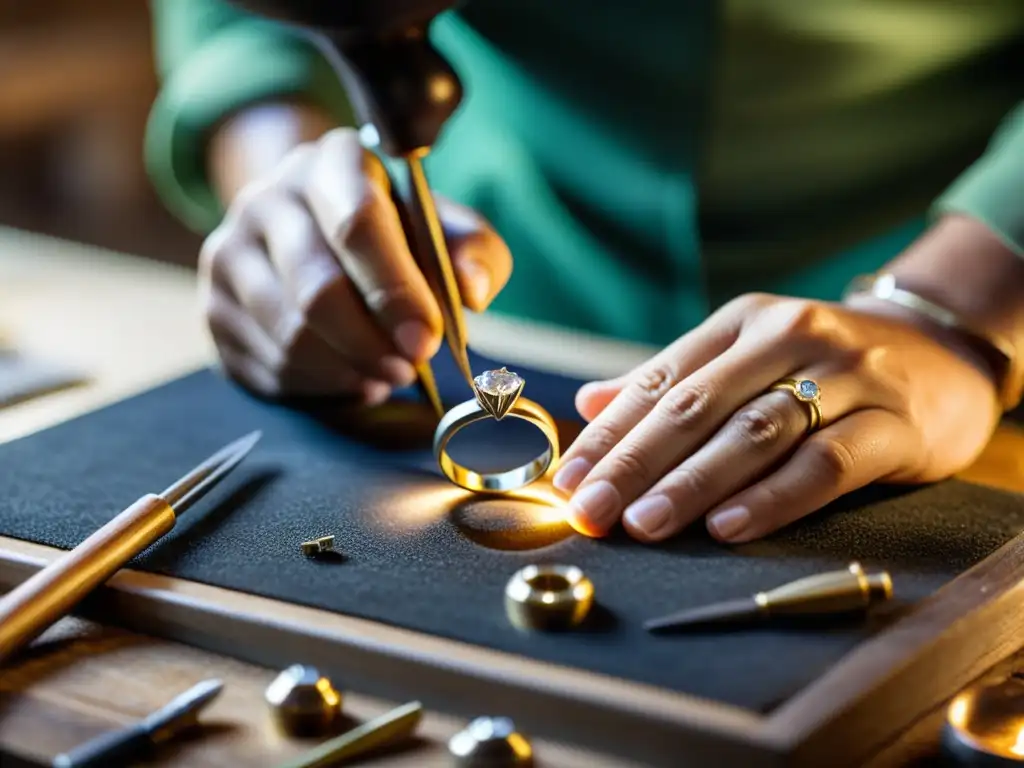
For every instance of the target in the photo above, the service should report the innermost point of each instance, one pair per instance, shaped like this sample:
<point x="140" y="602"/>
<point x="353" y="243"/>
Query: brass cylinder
<point x="548" y="597"/>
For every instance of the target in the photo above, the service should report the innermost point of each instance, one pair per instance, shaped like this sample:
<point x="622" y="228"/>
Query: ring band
<point x="807" y="392"/>
<point x="497" y="397"/>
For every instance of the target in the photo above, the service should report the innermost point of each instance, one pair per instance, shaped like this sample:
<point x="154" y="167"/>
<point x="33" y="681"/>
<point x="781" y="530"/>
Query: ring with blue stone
<point x="807" y="392"/>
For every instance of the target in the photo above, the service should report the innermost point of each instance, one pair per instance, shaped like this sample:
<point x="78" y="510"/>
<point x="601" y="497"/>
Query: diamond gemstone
<point x="498" y="383"/>
<point x="808" y="389"/>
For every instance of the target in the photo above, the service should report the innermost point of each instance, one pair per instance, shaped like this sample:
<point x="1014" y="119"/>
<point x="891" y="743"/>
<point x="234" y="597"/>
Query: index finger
<point x="349" y="195"/>
<point x="641" y="391"/>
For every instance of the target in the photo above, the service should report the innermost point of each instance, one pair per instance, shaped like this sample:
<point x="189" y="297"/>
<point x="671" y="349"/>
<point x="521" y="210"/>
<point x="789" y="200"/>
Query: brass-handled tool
<point x="387" y="729"/>
<point x="38" y="602"/>
<point x="130" y="745"/>
<point x="832" y="592"/>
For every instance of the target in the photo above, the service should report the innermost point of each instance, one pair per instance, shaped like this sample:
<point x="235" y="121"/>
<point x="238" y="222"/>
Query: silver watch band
<point x="884" y="286"/>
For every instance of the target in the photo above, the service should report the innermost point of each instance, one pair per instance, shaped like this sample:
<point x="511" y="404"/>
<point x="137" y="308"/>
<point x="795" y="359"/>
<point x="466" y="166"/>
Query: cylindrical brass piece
<point x="491" y="742"/>
<point x="548" y="597"/>
<point x="831" y="592"/>
<point x="302" y="701"/>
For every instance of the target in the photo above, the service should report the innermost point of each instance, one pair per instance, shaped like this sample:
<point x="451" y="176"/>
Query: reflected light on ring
<point x="958" y="711"/>
<point x="1018" y="745"/>
<point x="420" y="506"/>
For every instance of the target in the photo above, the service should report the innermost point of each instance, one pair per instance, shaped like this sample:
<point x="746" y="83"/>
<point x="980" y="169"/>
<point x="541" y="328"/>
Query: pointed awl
<point x="832" y="592"/>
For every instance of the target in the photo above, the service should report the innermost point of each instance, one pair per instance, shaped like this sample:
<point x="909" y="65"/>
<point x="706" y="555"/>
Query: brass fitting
<point x="548" y="597"/>
<point x="491" y="742"/>
<point x="303" y="702"/>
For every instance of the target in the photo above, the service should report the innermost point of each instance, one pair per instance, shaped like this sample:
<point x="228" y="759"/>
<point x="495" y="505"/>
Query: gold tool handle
<point x="35" y="604"/>
<point x="386" y="729"/>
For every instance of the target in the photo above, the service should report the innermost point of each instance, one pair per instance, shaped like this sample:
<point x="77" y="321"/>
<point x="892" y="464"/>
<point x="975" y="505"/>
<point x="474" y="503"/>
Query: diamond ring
<point x="807" y="392"/>
<point x="498" y="396"/>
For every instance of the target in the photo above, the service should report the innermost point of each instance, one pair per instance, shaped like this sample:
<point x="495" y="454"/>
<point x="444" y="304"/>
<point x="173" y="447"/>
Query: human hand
<point x="697" y="430"/>
<point x="309" y="287"/>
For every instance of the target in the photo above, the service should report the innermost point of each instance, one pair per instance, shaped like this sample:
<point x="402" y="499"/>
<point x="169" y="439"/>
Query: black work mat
<point x="412" y="560"/>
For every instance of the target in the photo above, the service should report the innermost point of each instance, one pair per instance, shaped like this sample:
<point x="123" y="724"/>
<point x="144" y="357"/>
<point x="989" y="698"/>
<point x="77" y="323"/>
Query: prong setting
<point x="497" y="391"/>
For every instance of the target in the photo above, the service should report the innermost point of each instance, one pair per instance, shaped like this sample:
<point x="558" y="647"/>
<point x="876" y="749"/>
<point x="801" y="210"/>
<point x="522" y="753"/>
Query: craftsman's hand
<point x="697" y="430"/>
<point x="310" y="287"/>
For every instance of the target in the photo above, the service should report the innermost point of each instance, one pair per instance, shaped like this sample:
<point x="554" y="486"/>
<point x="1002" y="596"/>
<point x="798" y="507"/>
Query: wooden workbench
<point x="130" y="324"/>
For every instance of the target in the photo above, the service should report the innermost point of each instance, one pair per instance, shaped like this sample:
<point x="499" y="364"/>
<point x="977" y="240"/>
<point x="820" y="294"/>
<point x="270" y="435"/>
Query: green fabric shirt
<point x="646" y="161"/>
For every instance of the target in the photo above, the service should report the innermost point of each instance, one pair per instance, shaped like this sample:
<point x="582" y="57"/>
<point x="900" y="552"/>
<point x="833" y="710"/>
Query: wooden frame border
<point x="866" y="700"/>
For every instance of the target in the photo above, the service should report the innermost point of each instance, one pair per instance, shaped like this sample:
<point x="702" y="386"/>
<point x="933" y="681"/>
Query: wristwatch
<point x="998" y="351"/>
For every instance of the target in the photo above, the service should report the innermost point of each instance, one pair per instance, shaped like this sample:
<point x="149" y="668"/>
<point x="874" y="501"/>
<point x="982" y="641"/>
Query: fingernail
<point x="597" y="503"/>
<point x="571" y="474"/>
<point x="376" y="392"/>
<point x="397" y="371"/>
<point x="650" y="514"/>
<point x="479" y="280"/>
<point x="729" y="523"/>
<point x="414" y="340"/>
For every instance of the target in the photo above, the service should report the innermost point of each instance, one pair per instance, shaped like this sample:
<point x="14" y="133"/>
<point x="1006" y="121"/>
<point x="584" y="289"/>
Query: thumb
<point x="482" y="261"/>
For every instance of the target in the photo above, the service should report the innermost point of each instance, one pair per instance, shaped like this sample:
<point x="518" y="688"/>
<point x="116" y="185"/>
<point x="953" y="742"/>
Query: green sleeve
<point x="992" y="190"/>
<point x="212" y="60"/>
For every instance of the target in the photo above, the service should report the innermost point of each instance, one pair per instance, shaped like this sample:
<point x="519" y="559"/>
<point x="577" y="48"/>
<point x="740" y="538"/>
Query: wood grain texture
<point x="81" y="679"/>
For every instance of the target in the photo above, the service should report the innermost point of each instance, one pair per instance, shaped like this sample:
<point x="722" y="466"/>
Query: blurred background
<point x="78" y="81"/>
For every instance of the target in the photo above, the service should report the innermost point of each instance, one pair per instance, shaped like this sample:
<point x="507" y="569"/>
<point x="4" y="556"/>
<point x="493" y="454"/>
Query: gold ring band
<point x="497" y="397"/>
<point x="807" y="392"/>
<point x="548" y="597"/>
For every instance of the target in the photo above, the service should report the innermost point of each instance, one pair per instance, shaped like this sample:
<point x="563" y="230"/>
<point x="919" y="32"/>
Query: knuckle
<point x="814" y="323"/>
<point x="602" y="436"/>
<point x="755" y="300"/>
<point x="746" y="304"/>
<point x="216" y="317"/>
<point x="799" y="319"/>
<point x="760" y="427"/>
<point x="631" y="462"/>
<point x="295" y="162"/>
<point x="686" y="406"/>
<point x="651" y="385"/>
<point x="318" y="288"/>
<point x="289" y="332"/>
<point x="384" y="299"/>
<point x="253" y="198"/>
<point x="356" y="228"/>
<point x="832" y="460"/>
<point x="213" y="253"/>
<point x="691" y="482"/>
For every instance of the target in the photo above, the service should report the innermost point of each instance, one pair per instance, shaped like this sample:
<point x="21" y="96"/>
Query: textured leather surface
<point x="414" y="557"/>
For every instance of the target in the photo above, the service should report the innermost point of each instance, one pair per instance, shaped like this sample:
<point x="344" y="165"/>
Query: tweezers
<point x="425" y="237"/>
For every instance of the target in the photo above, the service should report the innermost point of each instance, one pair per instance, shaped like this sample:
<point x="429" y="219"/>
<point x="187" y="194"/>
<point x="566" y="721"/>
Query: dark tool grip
<point x="398" y="83"/>
<point x="111" y="749"/>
